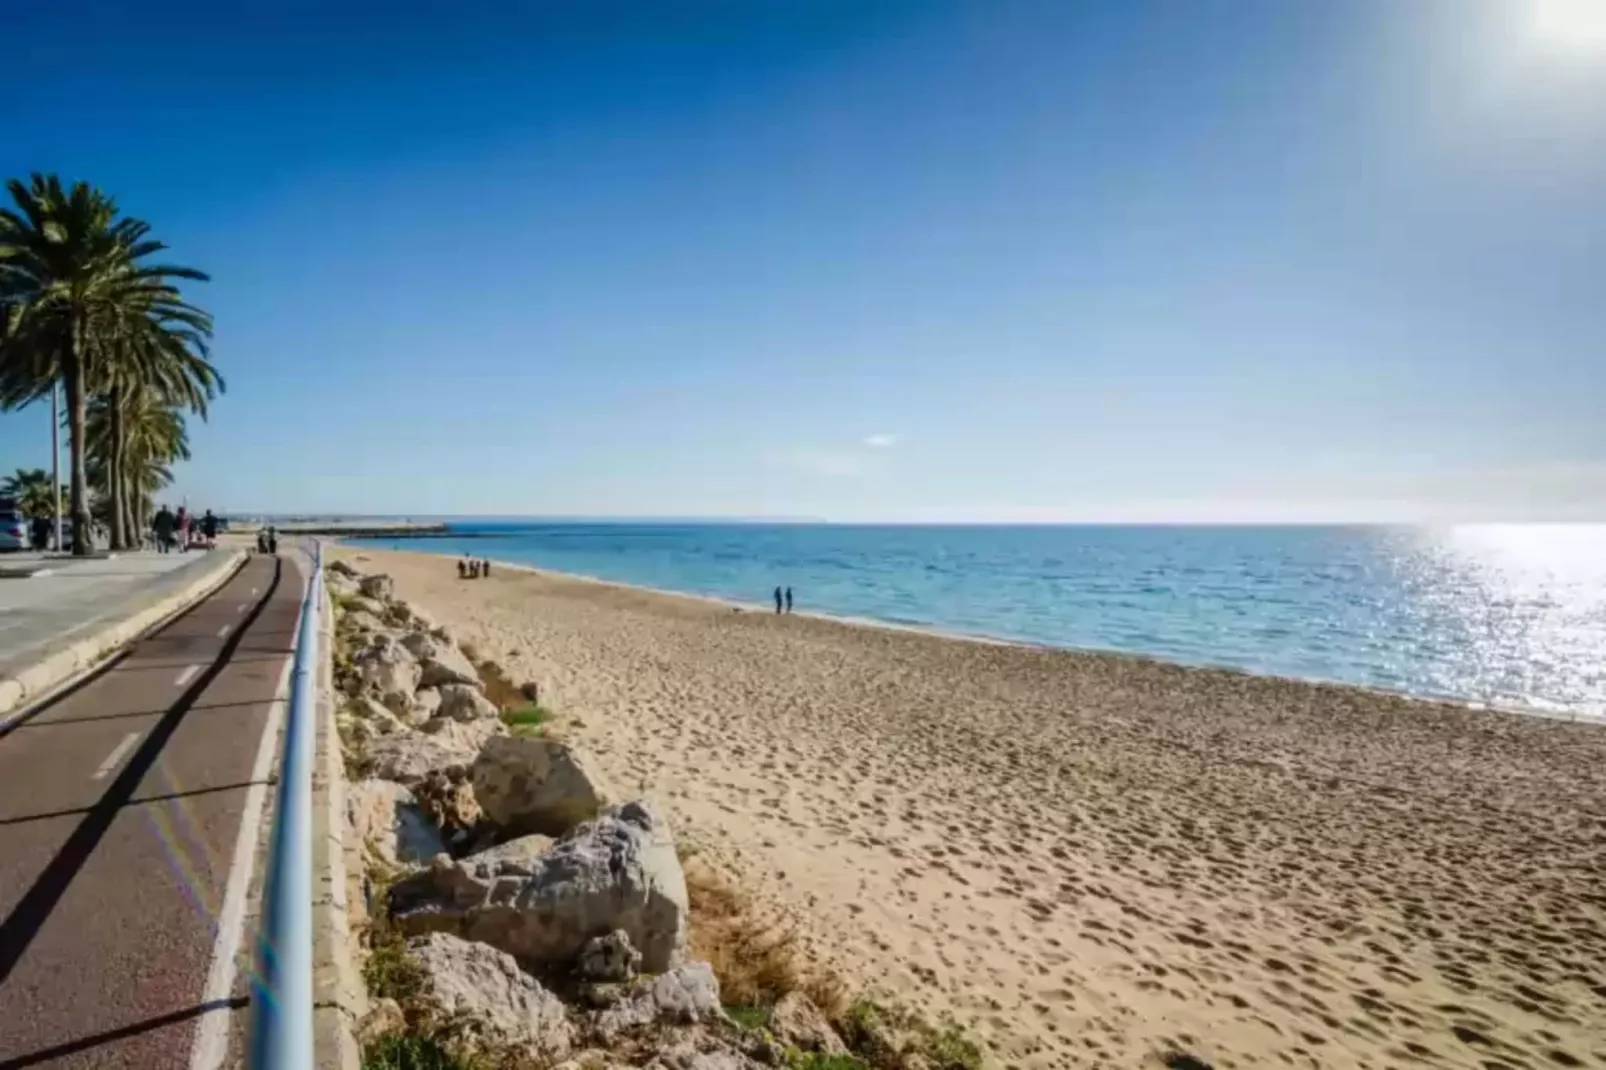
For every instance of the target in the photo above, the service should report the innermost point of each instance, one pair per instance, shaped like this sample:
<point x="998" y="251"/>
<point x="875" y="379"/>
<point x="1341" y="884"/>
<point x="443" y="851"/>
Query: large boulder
<point x="341" y="569"/>
<point x="386" y="668"/>
<point x="409" y="757"/>
<point x="461" y="702"/>
<point x="361" y="622"/>
<point x="685" y="995"/>
<point x="537" y="785"/>
<point x="447" y="799"/>
<point x="389" y="823"/>
<point x="442" y="662"/>
<point x="483" y="986"/>
<point x="617" y="872"/>
<point x="341" y="586"/>
<point x="380" y="587"/>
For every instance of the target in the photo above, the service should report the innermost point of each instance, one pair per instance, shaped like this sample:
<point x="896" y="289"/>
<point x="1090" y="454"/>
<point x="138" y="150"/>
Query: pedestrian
<point x="273" y="540"/>
<point x="777" y="601"/>
<point x="485" y="568"/>
<point x="209" y="529"/>
<point x="183" y="529"/>
<point x="462" y="568"/>
<point x="163" y="525"/>
<point x="789" y="599"/>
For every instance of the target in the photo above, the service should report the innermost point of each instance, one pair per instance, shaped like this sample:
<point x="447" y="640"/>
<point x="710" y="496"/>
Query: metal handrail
<point x="281" y="1034"/>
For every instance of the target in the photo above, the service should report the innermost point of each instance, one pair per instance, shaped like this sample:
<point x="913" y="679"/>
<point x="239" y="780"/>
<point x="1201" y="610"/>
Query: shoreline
<point x="933" y="631"/>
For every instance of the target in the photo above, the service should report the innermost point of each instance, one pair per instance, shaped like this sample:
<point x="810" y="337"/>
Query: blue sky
<point x="1190" y="259"/>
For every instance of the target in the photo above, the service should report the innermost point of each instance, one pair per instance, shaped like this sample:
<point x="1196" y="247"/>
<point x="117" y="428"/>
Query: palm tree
<point x="79" y="304"/>
<point x="30" y="487"/>
<point x="145" y="434"/>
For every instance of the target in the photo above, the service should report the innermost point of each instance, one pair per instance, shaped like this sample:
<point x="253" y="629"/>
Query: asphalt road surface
<point x="120" y="810"/>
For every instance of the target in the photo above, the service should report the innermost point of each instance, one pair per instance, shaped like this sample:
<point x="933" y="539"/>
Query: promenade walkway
<point x="129" y="811"/>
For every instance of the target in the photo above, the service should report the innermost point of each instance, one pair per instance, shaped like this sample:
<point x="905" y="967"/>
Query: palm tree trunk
<point x="116" y="483"/>
<point x="74" y="376"/>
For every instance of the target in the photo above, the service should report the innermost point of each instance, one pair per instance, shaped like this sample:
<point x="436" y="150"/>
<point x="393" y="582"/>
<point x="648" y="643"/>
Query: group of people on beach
<point x="472" y="569"/>
<point x="181" y="529"/>
<point x="783" y="597"/>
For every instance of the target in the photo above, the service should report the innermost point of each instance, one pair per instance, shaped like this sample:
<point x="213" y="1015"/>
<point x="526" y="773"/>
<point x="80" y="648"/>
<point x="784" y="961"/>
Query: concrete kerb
<point x="85" y="650"/>
<point x="339" y="997"/>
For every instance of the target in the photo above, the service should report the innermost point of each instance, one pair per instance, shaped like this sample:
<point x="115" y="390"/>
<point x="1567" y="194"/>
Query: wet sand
<point x="1098" y="860"/>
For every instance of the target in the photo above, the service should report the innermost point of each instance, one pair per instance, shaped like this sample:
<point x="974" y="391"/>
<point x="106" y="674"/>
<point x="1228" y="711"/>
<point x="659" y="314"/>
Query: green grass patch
<point x="749" y="1017"/>
<point x="527" y="715"/>
<point x="389" y="971"/>
<point x="814" y="1060"/>
<point x="408" y="1051"/>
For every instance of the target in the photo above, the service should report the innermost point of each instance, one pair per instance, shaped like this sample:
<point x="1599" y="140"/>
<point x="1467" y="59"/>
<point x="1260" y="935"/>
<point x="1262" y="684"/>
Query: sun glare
<point x="1575" y="25"/>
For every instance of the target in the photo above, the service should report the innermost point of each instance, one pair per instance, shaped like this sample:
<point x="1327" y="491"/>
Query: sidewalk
<point x="43" y="615"/>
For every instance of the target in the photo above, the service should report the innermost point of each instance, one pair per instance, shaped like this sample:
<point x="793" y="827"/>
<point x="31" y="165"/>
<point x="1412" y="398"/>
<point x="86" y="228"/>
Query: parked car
<point x="14" y="531"/>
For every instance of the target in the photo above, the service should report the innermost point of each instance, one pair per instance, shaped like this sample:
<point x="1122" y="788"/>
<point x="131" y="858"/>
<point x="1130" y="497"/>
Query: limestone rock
<point x="486" y="986"/>
<point x="361" y="622"/>
<point x="388" y="821"/>
<point x="340" y="586"/>
<point x="447" y="798"/>
<point x="616" y="872"/>
<point x="442" y="662"/>
<point x="461" y="702"/>
<point x="798" y="1023"/>
<point x="537" y="785"/>
<point x="609" y="958"/>
<point x="425" y="705"/>
<point x="380" y="587"/>
<point x="388" y="669"/>
<point x="514" y="856"/>
<point x="363" y="604"/>
<point x="342" y="569"/>
<point x="408" y="757"/>
<point x="464" y="736"/>
<point x="377" y="715"/>
<point x="714" y="1056"/>
<point x="684" y="995"/>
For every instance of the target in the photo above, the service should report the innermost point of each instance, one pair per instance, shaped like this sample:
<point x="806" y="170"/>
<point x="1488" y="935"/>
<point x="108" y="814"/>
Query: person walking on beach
<point x="777" y="601"/>
<point x="789" y="599"/>
<point x="485" y="568"/>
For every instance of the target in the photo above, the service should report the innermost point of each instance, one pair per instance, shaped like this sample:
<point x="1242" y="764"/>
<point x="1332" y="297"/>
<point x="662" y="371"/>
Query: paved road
<point x="120" y="808"/>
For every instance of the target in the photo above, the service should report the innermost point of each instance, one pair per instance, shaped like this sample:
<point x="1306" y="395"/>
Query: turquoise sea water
<point x="1511" y="615"/>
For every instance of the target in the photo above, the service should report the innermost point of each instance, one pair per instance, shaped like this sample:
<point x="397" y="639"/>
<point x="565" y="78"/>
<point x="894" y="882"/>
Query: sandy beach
<point x="1097" y="860"/>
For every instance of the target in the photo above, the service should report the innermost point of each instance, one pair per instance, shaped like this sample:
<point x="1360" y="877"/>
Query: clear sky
<point x="1189" y="259"/>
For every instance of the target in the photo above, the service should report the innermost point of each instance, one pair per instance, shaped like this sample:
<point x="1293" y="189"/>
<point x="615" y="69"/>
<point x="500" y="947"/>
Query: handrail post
<point x="281" y="1035"/>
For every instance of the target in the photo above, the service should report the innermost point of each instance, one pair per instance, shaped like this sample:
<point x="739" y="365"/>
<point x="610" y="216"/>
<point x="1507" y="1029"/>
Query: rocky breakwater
<point x="515" y="910"/>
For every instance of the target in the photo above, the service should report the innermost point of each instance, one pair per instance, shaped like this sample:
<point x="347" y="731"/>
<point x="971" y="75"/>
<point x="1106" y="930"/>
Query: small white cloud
<point x="882" y="440"/>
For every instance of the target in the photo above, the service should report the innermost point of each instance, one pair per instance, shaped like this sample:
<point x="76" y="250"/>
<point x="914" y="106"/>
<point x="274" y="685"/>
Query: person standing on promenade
<point x="209" y="529"/>
<point x="162" y="524"/>
<point x="789" y="599"/>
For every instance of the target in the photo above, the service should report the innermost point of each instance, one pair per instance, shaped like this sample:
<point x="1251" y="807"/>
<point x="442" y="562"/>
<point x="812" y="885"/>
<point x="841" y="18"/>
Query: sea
<point x="1507" y="615"/>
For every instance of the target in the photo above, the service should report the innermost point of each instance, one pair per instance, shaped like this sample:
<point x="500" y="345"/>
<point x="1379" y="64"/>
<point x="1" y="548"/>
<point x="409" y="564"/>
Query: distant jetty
<point x="359" y="529"/>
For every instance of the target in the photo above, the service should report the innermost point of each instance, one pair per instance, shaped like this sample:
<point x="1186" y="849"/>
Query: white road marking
<point x="243" y="607"/>
<point x="223" y="632"/>
<point x="187" y="675"/>
<point x="115" y="758"/>
<point x="212" y="1030"/>
<point x="253" y="590"/>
